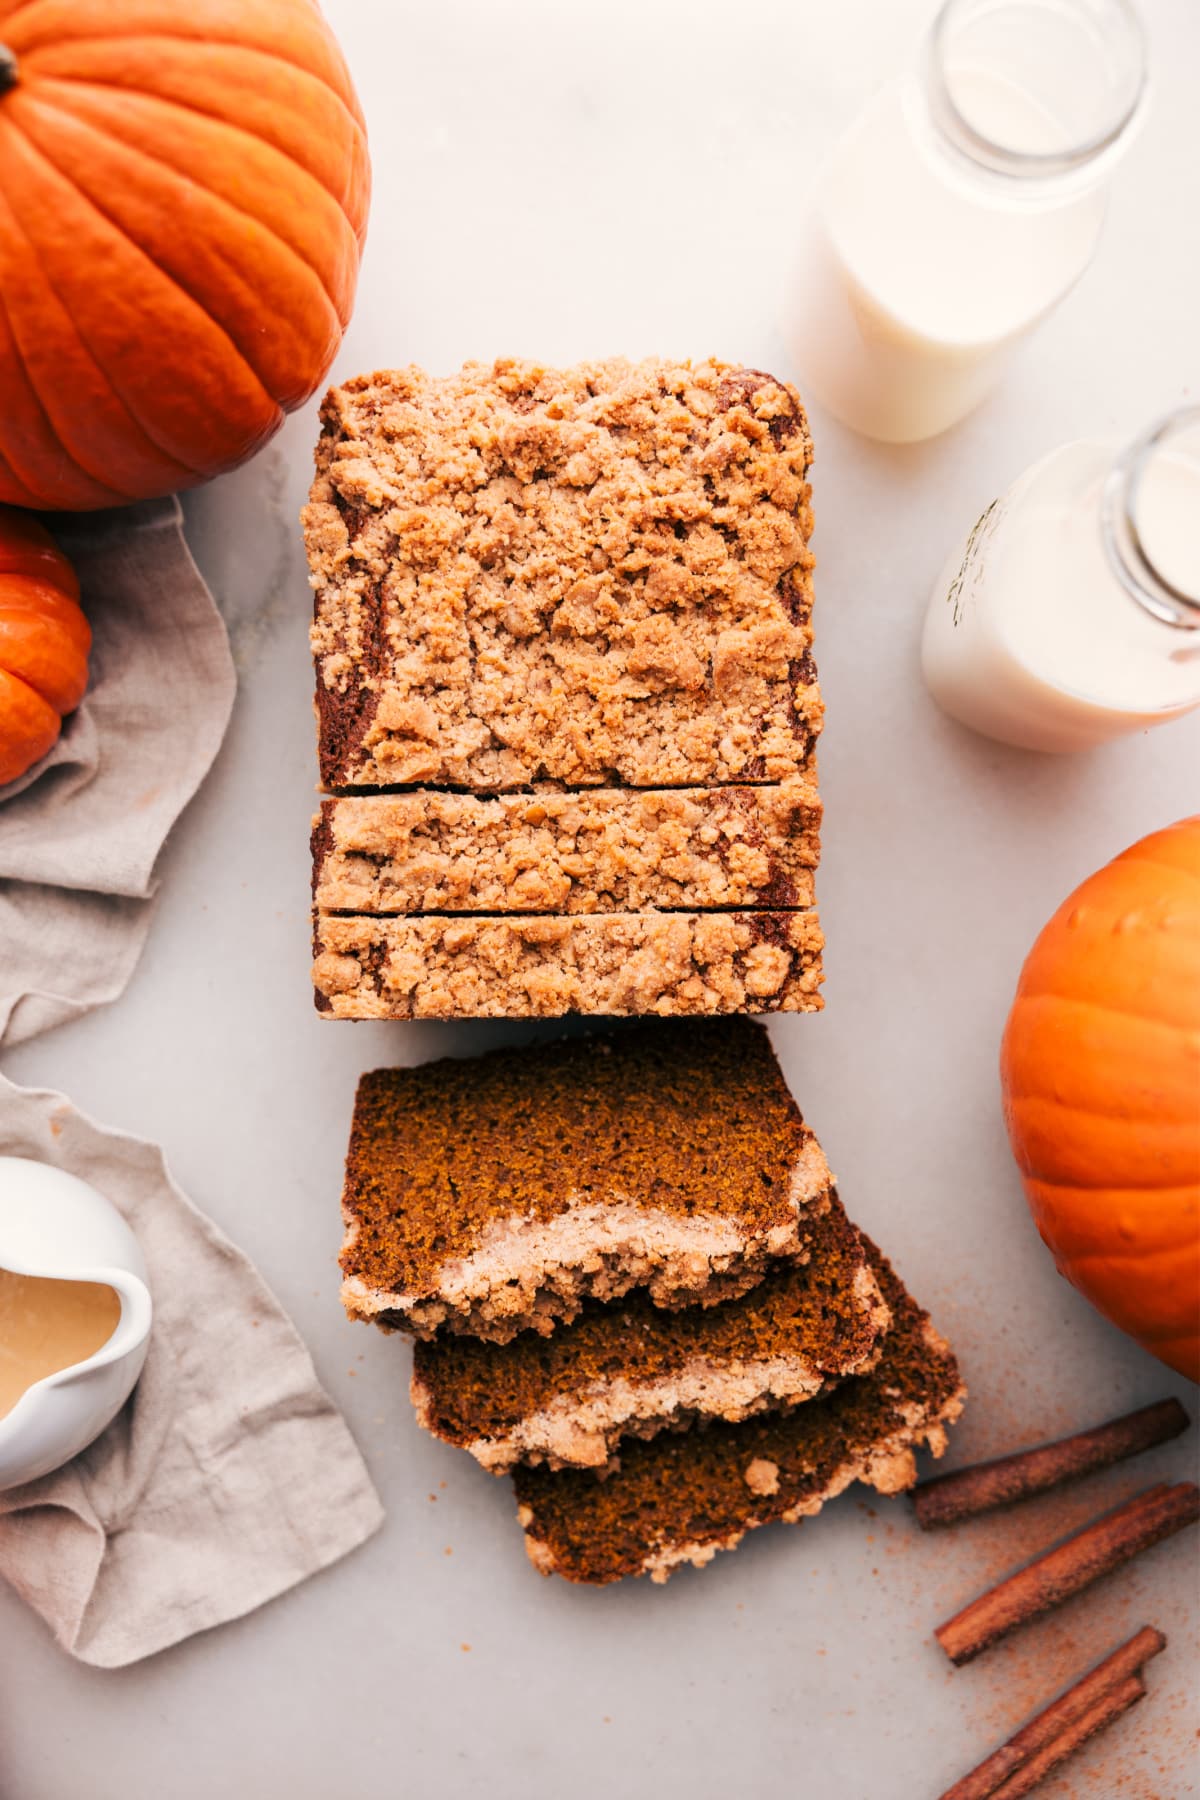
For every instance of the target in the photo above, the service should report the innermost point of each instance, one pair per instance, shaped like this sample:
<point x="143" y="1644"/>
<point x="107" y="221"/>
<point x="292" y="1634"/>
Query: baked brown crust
<point x="594" y="851"/>
<point x="678" y="1499"/>
<point x="630" y="1367"/>
<point x="494" y="1194"/>
<point x="595" y="576"/>
<point x="485" y="966"/>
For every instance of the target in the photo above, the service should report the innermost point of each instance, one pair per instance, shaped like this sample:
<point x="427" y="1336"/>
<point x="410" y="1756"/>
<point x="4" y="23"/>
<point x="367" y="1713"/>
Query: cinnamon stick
<point x="1102" y="1712"/>
<point x="964" y="1493"/>
<point x="1068" y="1710"/>
<point x="1068" y="1568"/>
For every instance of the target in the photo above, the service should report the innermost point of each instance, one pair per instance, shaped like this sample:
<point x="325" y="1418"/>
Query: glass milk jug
<point x="960" y="207"/>
<point x="1071" y="613"/>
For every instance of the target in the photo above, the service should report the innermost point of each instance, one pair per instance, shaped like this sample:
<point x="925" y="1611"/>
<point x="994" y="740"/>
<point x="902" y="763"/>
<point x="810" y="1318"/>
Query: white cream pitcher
<point x="75" y="1316"/>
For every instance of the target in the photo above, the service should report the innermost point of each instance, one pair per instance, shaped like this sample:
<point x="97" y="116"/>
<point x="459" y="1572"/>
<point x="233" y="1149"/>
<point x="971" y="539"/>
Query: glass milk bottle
<point x="960" y="207"/>
<point x="1071" y="613"/>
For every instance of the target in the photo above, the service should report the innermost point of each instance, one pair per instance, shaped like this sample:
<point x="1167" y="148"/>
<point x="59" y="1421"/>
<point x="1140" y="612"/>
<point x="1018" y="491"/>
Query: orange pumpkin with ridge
<point x="44" y="642"/>
<point x="1100" y="1068"/>
<point x="183" y="199"/>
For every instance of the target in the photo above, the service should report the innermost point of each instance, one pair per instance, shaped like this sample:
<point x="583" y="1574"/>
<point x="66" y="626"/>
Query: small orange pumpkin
<point x="44" y="642"/>
<point x="1100" y="1069"/>
<point x="183" y="199"/>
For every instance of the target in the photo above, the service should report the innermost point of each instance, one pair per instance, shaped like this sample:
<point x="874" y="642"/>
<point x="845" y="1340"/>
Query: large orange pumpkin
<point x="1101" y="1075"/>
<point x="44" y="642"/>
<point x="183" y="198"/>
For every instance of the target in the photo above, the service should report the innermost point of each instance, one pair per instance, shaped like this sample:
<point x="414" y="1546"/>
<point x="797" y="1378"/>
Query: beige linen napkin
<point x="227" y="1477"/>
<point x="80" y="833"/>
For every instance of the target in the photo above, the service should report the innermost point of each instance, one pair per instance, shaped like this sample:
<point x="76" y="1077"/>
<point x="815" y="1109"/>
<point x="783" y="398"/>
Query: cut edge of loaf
<point x="583" y="1429"/>
<point x="888" y="1465"/>
<point x="531" y="1274"/>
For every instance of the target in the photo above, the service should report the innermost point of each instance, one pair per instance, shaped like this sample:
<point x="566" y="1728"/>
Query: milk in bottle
<point x="960" y="206"/>
<point x="1070" y="613"/>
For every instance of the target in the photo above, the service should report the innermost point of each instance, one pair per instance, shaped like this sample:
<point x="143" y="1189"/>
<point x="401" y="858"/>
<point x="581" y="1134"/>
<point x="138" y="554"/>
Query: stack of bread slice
<point x="634" y="1288"/>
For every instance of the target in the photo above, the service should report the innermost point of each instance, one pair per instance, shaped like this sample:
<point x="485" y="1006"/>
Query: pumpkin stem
<point x="9" y="72"/>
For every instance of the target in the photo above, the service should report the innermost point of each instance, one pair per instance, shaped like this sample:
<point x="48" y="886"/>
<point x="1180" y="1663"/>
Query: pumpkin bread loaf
<point x="580" y="599"/>
<point x="495" y="1194"/>
<point x="630" y="1368"/>
<point x="680" y="1498"/>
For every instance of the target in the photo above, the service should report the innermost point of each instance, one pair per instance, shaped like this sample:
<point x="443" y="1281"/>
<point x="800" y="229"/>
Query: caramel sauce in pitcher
<point x="46" y="1325"/>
